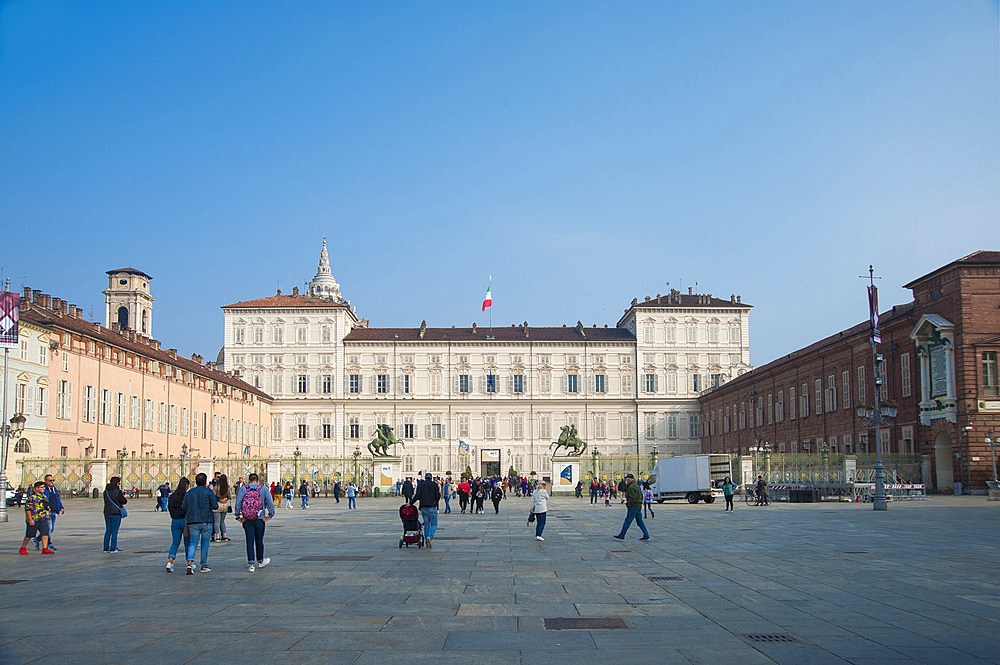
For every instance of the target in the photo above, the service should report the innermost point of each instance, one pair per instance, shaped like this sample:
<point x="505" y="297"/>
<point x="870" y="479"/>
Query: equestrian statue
<point x="569" y="439"/>
<point x="379" y="447"/>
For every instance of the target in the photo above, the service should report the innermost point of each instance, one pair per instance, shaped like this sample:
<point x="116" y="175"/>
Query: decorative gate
<point x="237" y="467"/>
<point x="323" y="472"/>
<point x="72" y="475"/>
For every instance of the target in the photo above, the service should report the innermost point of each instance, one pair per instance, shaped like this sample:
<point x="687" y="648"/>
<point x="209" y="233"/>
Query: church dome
<point x="323" y="284"/>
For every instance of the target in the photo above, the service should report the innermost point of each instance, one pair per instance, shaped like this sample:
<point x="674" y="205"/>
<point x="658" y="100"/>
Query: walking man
<point x="633" y="504"/>
<point x="595" y="487"/>
<point x="36" y="518"/>
<point x="336" y="490"/>
<point x="304" y="494"/>
<point x="761" y="491"/>
<point x="164" y="492"/>
<point x="55" y="508"/>
<point x="429" y="495"/>
<point x="199" y="504"/>
<point x="251" y="503"/>
<point x="496" y="496"/>
<point x="408" y="491"/>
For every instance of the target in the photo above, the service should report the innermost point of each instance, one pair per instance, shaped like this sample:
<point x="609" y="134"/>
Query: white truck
<point x="692" y="477"/>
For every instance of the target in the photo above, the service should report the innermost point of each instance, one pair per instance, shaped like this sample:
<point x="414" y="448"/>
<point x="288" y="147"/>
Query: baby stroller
<point x="413" y="530"/>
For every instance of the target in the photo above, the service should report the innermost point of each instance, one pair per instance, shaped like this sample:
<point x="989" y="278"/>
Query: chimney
<point x="26" y="294"/>
<point x="97" y="326"/>
<point x="55" y="304"/>
<point x="732" y="298"/>
<point x="525" y="324"/>
<point x="473" y="327"/>
<point x="295" y="290"/>
<point x="114" y="326"/>
<point x="46" y="301"/>
<point x="423" y="329"/>
<point x="36" y="296"/>
<point x="648" y="299"/>
<point x="739" y="299"/>
<point x="690" y="290"/>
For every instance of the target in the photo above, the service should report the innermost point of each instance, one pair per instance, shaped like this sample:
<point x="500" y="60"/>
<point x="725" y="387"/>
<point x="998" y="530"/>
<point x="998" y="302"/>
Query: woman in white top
<point x="540" y="506"/>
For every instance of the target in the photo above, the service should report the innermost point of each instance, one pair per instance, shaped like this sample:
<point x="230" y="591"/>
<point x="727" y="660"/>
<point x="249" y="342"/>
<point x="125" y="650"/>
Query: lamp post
<point x="296" y="454"/>
<point x="184" y="453"/>
<point x="767" y="461"/>
<point x="755" y="449"/>
<point x="825" y="451"/>
<point x="122" y="454"/>
<point x="991" y="442"/>
<point x="357" y="459"/>
<point x="9" y="431"/>
<point x="877" y="416"/>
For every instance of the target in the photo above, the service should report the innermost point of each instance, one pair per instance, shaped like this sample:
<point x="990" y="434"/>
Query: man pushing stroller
<point x="429" y="495"/>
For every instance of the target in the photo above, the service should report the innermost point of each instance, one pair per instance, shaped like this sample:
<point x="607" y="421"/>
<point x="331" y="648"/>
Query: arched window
<point x="22" y="446"/>
<point x="123" y="318"/>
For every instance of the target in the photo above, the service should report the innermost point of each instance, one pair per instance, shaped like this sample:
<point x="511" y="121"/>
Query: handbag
<point x="124" y="512"/>
<point x="531" y="517"/>
<point x="229" y="509"/>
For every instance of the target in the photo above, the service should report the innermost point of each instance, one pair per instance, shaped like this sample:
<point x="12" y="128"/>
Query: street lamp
<point x="13" y="430"/>
<point x="878" y="416"/>
<point x="755" y="448"/>
<point x="296" y="454"/>
<point x="357" y="467"/>
<point x="122" y="454"/>
<point x="184" y="454"/>
<point x="991" y="442"/>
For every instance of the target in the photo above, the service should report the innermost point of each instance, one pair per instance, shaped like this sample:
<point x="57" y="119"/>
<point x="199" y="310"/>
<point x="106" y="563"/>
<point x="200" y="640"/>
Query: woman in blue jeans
<point x="114" y="501"/>
<point x="540" y="508"/>
<point x="176" y="507"/>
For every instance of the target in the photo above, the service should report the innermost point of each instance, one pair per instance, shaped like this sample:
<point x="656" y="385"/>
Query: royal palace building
<point x="472" y="397"/>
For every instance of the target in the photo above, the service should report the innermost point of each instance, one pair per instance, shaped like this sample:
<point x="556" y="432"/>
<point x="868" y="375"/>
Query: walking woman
<point x="446" y="494"/>
<point x="540" y="507"/>
<point x="176" y="508"/>
<point x="647" y="500"/>
<point x="114" y="511"/>
<point x="728" y="490"/>
<point x="223" y="494"/>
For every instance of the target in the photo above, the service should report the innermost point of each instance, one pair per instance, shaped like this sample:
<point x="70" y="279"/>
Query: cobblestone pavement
<point x="813" y="583"/>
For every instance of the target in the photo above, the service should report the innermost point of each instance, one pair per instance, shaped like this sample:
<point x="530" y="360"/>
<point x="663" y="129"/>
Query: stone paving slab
<point x="845" y="584"/>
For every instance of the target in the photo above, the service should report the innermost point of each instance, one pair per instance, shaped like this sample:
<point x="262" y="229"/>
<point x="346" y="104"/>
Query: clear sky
<point x="582" y="153"/>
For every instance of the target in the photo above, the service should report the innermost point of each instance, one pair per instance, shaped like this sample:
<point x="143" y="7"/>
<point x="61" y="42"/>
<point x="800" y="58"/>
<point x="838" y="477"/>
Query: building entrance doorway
<point x="944" y="462"/>
<point x="490" y="462"/>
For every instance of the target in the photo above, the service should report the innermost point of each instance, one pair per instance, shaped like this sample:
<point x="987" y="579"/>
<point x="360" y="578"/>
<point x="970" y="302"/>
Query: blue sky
<point x="581" y="153"/>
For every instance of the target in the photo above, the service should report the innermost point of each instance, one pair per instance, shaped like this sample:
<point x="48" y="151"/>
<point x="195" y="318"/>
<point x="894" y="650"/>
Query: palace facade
<point x="469" y="397"/>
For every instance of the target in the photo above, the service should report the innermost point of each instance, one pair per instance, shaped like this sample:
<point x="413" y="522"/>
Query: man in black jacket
<point x="429" y="495"/>
<point x="408" y="490"/>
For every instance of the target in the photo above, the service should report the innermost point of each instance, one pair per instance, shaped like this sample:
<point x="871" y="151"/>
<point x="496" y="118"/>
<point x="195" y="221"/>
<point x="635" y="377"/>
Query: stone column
<point x="273" y="470"/>
<point x="99" y="474"/>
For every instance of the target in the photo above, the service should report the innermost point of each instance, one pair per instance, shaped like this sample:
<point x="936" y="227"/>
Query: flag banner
<point x="463" y="443"/>
<point x="876" y="335"/>
<point x="488" y="300"/>
<point x="9" y="315"/>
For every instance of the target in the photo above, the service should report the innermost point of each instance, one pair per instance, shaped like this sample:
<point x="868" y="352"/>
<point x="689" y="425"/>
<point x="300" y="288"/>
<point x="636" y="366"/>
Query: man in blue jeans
<point x="633" y="503"/>
<point x="199" y="504"/>
<point x="253" y="508"/>
<point x="429" y="495"/>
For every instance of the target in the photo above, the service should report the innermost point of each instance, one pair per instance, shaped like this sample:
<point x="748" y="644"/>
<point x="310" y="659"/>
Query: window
<point x="24" y="349"/>
<point x="405" y="384"/>
<point x="19" y="397"/>
<point x="671" y="333"/>
<point x="239" y="334"/>
<point x="694" y="424"/>
<point x="147" y="416"/>
<point x="845" y="388"/>
<point x="354" y="427"/>
<point x="435" y="378"/>
<point x="64" y="399"/>
<point x="119" y="409"/>
<point x="64" y="451"/>
<point x="743" y="415"/>
<point x="571" y="360"/>
<point x="883" y="384"/>
<point x="185" y="421"/>
<point x="302" y="384"/>
<point x="716" y="380"/>
<point x="518" y="386"/>
<point x="436" y="463"/>
<point x="804" y="400"/>
<point x="545" y="382"/>
<point x="327" y="384"/>
<point x="437" y="429"/>
<point x="354" y="384"/>
<point x="861" y="385"/>
<point x="692" y="333"/>
<point x="172" y="423"/>
<point x="649" y="333"/>
<point x="671" y="381"/>
<point x="258" y="335"/>
<point x="299" y="359"/>
<point x="779" y="408"/>
<point x="696" y="383"/>
<point x="435" y="359"/>
<point x="725" y="422"/>
<point x="382" y="384"/>
<point x="904" y="374"/>
<point x="713" y="334"/>
<point x="65" y="362"/>
<point x="301" y="428"/>
<point x="194" y="425"/>
<point x="463" y="424"/>
<point x="278" y="335"/>
<point x="490" y="426"/>
<point x="204" y="425"/>
<point x="517" y="426"/>
<point x="626" y="425"/>
<point x="572" y="383"/>
<point x="325" y="337"/>
<point x="991" y="386"/>
<point x="600" y="383"/>
<point x="544" y="425"/>
<point x="217" y="429"/>
<point x="23" y="446"/>
<point x="161" y="425"/>
<point x="600" y="426"/>
<point x="671" y="427"/>
<point x="818" y="402"/>
<point x="464" y="383"/>
<point x="759" y="402"/>
<point x="491" y="383"/>
<point x="770" y="409"/>
<point x="43" y="355"/>
<point x="791" y="403"/>
<point x="831" y="393"/>
<point x="409" y="431"/>
<point x="906" y="442"/>
<point x="735" y="335"/>
<point x="650" y="426"/>
<point x="627" y="383"/>
<point x="649" y="383"/>
<point x="300" y="335"/>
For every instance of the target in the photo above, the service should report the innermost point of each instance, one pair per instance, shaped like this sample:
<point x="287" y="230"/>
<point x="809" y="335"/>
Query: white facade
<point x="334" y="379"/>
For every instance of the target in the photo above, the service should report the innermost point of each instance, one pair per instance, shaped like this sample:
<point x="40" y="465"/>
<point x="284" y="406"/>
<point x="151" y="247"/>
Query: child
<point x="647" y="500"/>
<point x="36" y="516"/>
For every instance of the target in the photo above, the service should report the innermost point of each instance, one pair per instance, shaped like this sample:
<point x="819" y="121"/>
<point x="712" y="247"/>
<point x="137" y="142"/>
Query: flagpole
<point x="491" y="307"/>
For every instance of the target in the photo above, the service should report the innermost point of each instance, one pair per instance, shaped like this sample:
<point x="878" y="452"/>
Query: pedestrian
<point x="607" y="495"/>
<point x="251" y="503"/>
<point x="304" y="494"/>
<point x="289" y="494"/>
<point x="761" y="491"/>
<point x="540" y="508"/>
<point x="620" y="490"/>
<point x="222" y="495"/>
<point x="595" y="487"/>
<point x="463" y="494"/>
<point x="336" y="490"/>
<point x="215" y="479"/>
<point x="408" y="490"/>
<point x="36" y="519"/>
<point x="579" y="489"/>
<point x="480" y="495"/>
<point x="633" y="507"/>
<point x="55" y="507"/>
<point x="647" y="500"/>
<point x="496" y="496"/>
<point x="728" y="490"/>
<point x="164" y="492"/>
<point x="352" y="496"/>
<point x="198" y="505"/>
<point x="447" y="495"/>
<point x="276" y="494"/>
<point x="429" y="495"/>
<point x="19" y="496"/>
<point x="175" y="506"/>
<point x="114" y="511"/>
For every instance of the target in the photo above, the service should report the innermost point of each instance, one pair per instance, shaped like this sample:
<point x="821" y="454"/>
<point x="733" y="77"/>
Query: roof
<point x="130" y="271"/>
<point x="46" y="317"/>
<point x="978" y="258"/>
<point x="512" y="334"/>
<point x="286" y="301"/>
<point x="677" y="300"/>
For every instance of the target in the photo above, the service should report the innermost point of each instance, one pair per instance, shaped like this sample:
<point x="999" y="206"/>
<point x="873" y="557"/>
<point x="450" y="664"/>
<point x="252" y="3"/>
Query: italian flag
<point x="488" y="300"/>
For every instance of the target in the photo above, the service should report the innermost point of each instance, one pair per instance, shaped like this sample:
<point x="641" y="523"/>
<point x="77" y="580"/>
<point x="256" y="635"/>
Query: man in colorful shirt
<point x="55" y="508"/>
<point x="36" y="515"/>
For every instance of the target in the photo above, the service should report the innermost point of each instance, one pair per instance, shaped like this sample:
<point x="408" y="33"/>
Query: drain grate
<point x="586" y="623"/>
<point x="620" y="551"/>
<point x="334" y="558"/>
<point x="149" y="552"/>
<point x="12" y="581"/>
<point x="771" y="638"/>
<point x="665" y="578"/>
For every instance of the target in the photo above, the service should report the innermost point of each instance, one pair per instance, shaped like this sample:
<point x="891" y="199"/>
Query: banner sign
<point x="876" y="336"/>
<point x="9" y="315"/>
<point x="490" y="455"/>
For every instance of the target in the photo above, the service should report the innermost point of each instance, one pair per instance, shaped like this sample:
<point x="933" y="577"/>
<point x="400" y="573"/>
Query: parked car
<point x="8" y="495"/>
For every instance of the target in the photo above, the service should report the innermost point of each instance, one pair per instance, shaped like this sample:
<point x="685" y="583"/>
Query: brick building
<point x="938" y="365"/>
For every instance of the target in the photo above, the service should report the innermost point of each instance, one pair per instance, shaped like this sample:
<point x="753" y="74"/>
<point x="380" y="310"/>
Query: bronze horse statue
<point x="568" y="439"/>
<point x="379" y="446"/>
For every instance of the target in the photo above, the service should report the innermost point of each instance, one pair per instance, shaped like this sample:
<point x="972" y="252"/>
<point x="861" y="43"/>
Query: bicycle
<point x="751" y="497"/>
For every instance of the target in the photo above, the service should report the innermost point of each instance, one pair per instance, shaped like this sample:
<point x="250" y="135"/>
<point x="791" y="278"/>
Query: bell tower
<point x="127" y="301"/>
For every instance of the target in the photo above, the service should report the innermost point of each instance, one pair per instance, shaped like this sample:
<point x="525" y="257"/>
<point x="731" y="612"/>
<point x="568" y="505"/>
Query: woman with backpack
<point x="223" y="494"/>
<point x="251" y="503"/>
<point x="175" y="504"/>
